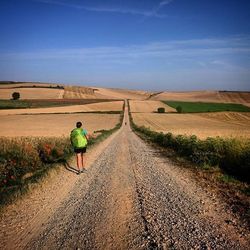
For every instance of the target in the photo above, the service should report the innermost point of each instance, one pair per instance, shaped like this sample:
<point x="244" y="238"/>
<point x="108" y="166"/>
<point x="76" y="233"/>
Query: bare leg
<point x="79" y="161"/>
<point x="83" y="161"/>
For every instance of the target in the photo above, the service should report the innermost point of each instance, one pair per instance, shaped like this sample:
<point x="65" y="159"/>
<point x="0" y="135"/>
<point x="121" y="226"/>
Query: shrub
<point x="161" y="110"/>
<point x="16" y="95"/>
<point x="29" y="155"/>
<point x="236" y="158"/>
<point x="179" y="109"/>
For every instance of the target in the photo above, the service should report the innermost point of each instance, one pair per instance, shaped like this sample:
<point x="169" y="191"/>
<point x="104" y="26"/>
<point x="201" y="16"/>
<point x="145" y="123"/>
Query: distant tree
<point x="161" y="110"/>
<point x="179" y="109"/>
<point x="15" y="95"/>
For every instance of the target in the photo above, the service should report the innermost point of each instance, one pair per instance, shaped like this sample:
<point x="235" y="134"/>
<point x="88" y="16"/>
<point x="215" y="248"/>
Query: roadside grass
<point x="200" y="107"/>
<point x="232" y="155"/>
<point x="227" y="179"/>
<point x="46" y="103"/>
<point x="27" y="160"/>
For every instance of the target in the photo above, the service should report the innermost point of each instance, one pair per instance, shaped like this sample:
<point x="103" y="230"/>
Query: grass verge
<point x="231" y="155"/>
<point x="200" y="107"/>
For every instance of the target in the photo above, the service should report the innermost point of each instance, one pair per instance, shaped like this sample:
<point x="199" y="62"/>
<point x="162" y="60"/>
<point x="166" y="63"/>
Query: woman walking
<point x="79" y="140"/>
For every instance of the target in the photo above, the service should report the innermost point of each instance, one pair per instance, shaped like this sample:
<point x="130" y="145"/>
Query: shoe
<point x="78" y="172"/>
<point x="83" y="170"/>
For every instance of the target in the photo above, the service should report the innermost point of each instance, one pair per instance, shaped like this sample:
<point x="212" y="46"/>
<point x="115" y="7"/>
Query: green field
<point x="17" y="104"/>
<point x="199" y="107"/>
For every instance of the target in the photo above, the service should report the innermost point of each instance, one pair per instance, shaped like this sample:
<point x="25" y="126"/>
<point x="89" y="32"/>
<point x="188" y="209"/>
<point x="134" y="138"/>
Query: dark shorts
<point x="80" y="150"/>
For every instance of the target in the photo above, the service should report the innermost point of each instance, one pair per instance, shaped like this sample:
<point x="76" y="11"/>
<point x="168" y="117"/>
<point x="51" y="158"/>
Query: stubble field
<point x="93" y="107"/>
<point x="206" y="96"/>
<point x="224" y="124"/>
<point x="148" y="106"/>
<point x="32" y="93"/>
<point x="31" y="90"/>
<point x="54" y="124"/>
<point x="203" y="125"/>
<point x="58" y="121"/>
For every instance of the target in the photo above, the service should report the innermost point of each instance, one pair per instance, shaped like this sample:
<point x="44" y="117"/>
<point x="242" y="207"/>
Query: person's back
<point x="79" y="140"/>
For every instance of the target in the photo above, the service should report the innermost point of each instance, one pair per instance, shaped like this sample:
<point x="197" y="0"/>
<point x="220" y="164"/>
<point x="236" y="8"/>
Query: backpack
<point x="78" y="139"/>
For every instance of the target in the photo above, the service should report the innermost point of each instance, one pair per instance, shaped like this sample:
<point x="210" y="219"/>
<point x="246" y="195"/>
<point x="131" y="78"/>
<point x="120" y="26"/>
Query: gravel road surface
<point x="130" y="197"/>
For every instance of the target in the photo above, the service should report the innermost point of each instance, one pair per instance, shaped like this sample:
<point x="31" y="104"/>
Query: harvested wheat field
<point x="74" y="92"/>
<point x="93" y="107"/>
<point x="32" y="93"/>
<point x="148" y="106"/>
<point x="229" y="117"/>
<point x="235" y="97"/>
<point x="201" y="125"/>
<point x="106" y="93"/>
<point x="54" y="124"/>
<point x="212" y="96"/>
<point x="103" y="93"/>
<point x="205" y="96"/>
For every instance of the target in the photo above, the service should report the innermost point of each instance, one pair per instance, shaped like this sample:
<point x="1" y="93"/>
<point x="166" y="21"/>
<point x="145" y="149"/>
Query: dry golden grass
<point x="54" y="124"/>
<point x="206" y="96"/>
<point x="201" y="125"/>
<point x="148" y="106"/>
<point x="32" y="93"/>
<point x="93" y="107"/>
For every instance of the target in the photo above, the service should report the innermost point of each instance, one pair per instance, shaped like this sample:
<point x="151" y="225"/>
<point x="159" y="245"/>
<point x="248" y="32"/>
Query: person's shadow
<point x="69" y="168"/>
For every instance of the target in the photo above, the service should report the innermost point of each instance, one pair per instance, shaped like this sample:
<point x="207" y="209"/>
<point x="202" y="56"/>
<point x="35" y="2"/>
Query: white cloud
<point x="166" y="2"/>
<point x="145" y="13"/>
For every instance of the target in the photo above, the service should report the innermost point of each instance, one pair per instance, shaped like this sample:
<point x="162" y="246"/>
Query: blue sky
<point x="139" y="44"/>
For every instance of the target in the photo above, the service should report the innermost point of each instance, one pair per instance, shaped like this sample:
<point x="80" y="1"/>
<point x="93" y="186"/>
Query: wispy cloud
<point x="122" y="10"/>
<point x="155" y="11"/>
<point x="183" y="64"/>
<point x="198" y="49"/>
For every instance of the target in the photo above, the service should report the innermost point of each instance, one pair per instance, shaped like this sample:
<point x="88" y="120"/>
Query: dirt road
<point x="129" y="198"/>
